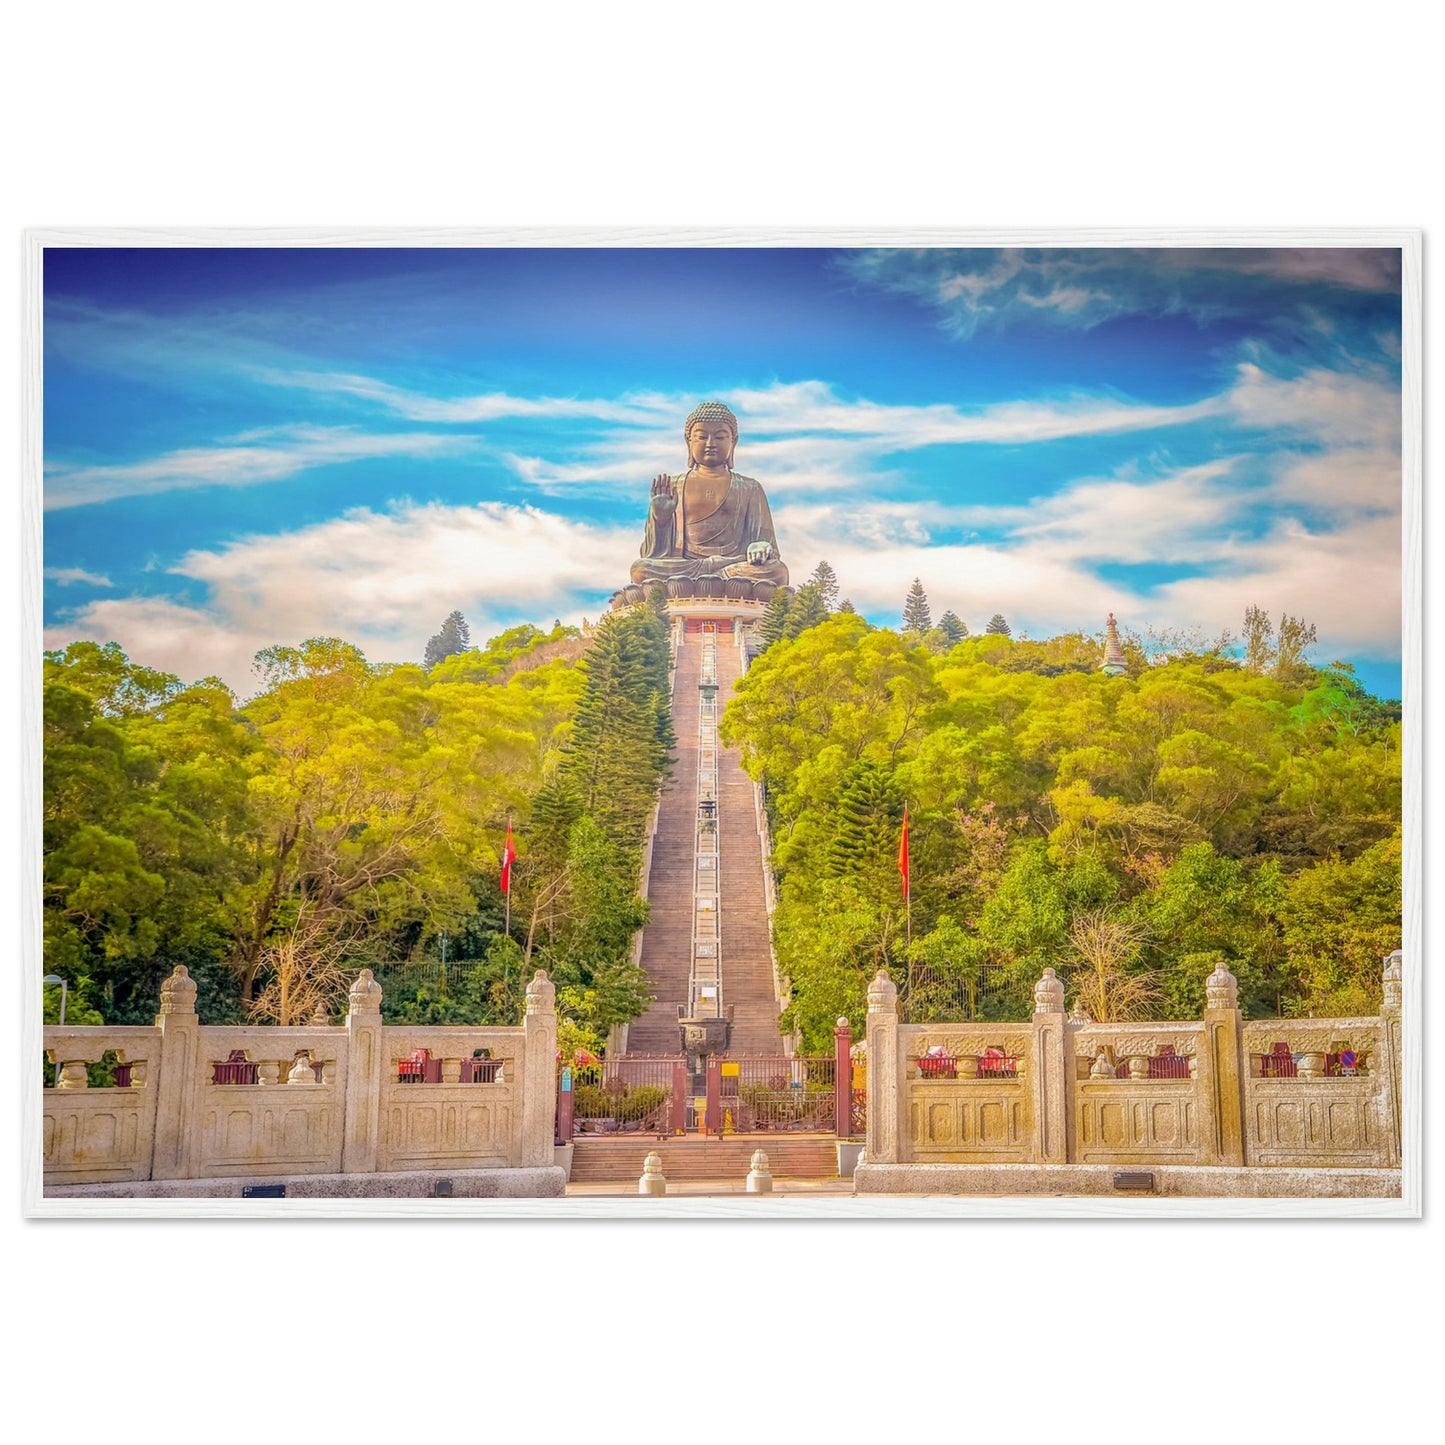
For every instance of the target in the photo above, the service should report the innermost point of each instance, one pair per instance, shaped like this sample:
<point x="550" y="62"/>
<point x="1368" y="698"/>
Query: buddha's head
<point x="711" y="431"/>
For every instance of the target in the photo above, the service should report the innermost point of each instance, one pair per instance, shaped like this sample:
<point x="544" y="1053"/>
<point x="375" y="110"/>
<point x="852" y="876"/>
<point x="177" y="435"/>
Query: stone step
<point x="610" y="1160"/>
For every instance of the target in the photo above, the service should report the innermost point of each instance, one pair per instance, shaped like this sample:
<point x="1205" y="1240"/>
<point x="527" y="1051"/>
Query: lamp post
<point x="64" y="992"/>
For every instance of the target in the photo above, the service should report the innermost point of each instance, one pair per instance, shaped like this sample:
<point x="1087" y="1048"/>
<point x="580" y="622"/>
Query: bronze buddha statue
<point x="710" y="522"/>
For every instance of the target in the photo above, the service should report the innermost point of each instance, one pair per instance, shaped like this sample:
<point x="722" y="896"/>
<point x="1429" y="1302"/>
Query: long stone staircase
<point x="746" y="958"/>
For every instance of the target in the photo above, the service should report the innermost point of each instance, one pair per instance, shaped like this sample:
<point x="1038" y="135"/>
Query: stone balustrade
<point x="1064" y="1090"/>
<point x="213" y="1102"/>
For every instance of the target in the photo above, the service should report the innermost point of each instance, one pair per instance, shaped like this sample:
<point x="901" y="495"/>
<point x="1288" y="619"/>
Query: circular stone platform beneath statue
<point x="700" y="592"/>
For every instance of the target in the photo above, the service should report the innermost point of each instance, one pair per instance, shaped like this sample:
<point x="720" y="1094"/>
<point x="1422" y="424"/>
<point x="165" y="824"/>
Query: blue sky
<point x="254" y="446"/>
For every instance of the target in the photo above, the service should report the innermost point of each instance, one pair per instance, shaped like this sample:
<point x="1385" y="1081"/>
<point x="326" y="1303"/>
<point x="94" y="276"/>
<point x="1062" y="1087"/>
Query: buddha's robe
<point x="684" y="543"/>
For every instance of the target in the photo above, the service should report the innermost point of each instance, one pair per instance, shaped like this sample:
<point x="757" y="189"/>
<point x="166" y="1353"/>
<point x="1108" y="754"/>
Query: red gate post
<point x="677" y="1122"/>
<point x="565" y="1106"/>
<point x="712" y="1119"/>
<point x="843" y="1079"/>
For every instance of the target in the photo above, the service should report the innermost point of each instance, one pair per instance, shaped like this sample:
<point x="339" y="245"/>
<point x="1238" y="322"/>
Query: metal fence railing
<point x="779" y="1094"/>
<point x="930" y="997"/>
<point x="632" y="1094"/>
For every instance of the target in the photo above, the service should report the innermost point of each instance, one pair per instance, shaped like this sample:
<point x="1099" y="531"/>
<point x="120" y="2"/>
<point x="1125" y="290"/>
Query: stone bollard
<point x="652" y="1181"/>
<point x="759" y="1180"/>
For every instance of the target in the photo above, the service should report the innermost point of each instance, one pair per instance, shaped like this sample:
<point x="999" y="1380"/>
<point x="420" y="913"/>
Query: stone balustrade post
<point x="886" y="1095"/>
<point x="1219" y="1072"/>
<point x="843" y="1079"/>
<point x="176" y="1080"/>
<point x="539" y="1072"/>
<point x="1391" y="1037"/>
<point x="361" y="1142"/>
<point x="1051" y="1091"/>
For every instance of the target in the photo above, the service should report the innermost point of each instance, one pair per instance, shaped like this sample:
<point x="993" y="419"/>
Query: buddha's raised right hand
<point x="663" y="500"/>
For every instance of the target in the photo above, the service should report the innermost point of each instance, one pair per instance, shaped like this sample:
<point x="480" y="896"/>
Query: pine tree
<point x="827" y="581"/>
<point x="554" y="810"/>
<point x="806" y="610"/>
<point x="454" y="637"/>
<point x="998" y="623"/>
<point x="865" y="823"/>
<point x="773" y="626"/>
<point x="657" y="603"/>
<point x="846" y="605"/>
<point x="916" y="617"/>
<point x="622" y="736"/>
<point x="953" y="628"/>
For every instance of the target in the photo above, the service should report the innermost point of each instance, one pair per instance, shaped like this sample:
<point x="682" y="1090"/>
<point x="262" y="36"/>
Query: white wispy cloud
<point x="69" y="576"/>
<point x="1337" y="408"/>
<point x="383" y="580"/>
<point x="267" y="455"/>
<point x="1346" y="580"/>
<point x="1184" y="516"/>
<point x="796" y="435"/>
<point x="486" y="406"/>
<point x="1080" y="288"/>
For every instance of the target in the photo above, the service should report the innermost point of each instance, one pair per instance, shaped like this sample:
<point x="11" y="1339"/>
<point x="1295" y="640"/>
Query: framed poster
<point x="736" y="626"/>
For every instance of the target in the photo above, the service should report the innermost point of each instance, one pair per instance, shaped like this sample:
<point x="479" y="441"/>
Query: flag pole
<point x="905" y="867"/>
<point x="507" y="861"/>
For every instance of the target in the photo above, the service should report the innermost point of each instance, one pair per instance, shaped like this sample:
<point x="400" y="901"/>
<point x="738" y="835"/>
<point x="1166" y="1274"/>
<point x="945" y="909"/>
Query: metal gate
<point x="661" y="1095"/>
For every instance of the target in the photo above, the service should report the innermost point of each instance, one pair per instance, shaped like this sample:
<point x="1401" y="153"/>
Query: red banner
<point x="509" y="856"/>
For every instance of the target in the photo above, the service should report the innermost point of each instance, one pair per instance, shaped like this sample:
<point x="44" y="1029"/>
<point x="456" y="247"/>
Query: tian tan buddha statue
<point x="709" y="531"/>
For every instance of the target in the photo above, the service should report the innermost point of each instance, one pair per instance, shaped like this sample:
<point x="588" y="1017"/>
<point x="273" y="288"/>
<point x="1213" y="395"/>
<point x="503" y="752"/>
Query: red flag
<point x="509" y="856"/>
<point x="903" y="852"/>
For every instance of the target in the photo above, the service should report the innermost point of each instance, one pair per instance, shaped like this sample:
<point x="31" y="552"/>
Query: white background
<point x="806" y="114"/>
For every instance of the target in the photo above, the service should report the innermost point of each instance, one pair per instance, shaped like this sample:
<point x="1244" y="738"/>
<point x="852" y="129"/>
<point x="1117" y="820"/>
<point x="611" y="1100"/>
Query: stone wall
<point x="298" y="1101"/>
<point x="1064" y="1090"/>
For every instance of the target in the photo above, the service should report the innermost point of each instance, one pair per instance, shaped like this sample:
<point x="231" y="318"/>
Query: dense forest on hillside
<point x="353" y="815"/>
<point x="1131" y="831"/>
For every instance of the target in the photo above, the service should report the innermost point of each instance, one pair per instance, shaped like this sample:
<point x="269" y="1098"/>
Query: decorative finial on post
<point x="178" y="992"/>
<point x="1049" y="994"/>
<point x="541" y="994"/>
<point x="882" y="994"/>
<point x="652" y="1181"/>
<point x="1394" y="978"/>
<point x="364" y="996"/>
<point x="1114" y="664"/>
<point x="1221" y="989"/>
<point x="760" y="1181"/>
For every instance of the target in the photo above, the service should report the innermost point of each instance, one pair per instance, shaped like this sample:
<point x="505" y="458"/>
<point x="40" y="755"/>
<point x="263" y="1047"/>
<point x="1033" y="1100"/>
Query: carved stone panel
<point x="1126" y="1123"/>
<point x="98" y="1136"/>
<point x="980" y="1124"/>
<point x="1324" y="1123"/>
